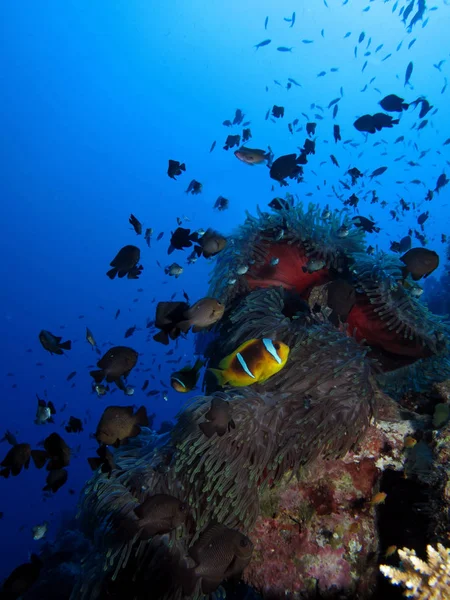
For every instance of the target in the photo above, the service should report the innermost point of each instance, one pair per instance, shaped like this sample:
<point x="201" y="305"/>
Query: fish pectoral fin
<point x="112" y="273"/>
<point x="95" y="463"/>
<point x="66" y="345"/>
<point x="97" y="375"/>
<point x="184" y="326"/>
<point x="142" y="417"/>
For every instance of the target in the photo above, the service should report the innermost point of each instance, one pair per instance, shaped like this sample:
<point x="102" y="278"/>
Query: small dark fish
<point x="378" y="172"/>
<point x="126" y="263"/>
<point x="334" y="160"/>
<point x="278" y="111"/>
<point x="261" y="44"/>
<point x="194" y="188"/>
<point x="105" y="461"/>
<point x="221" y="203"/>
<point x="422" y="124"/>
<point x="335" y="110"/>
<point x="21" y="579"/>
<point x="393" y="103"/>
<point x="186" y="378"/>
<point x="137" y="225"/>
<point x="210" y="244"/>
<point x="168" y="314"/>
<point x="336" y="133"/>
<point x="157" y="515"/>
<point x="52" y="343"/>
<point x="160" y="236"/>
<point x="116" y="363"/>
<point x="55" y="480"/>
<point x="366" y="224"/>
<point x="71" y="375"/>
<point x="420" y="262"/>
<point x="373" y="123"/>
<point x="219" y="553"/>
<point x="118" y="423"/>
<point x="266" y="22"/>
<point x="181" y="238"/>
<point x="286" y="166"/>
<point x="201" y="315"/>
<point x="129" y="332"/>
<point x="232" y="141"/>
<point x="18" y="458"/>
<point x="308" y="41"/>
<point x="408" y="72"/>
<point x="175" y="169"/>
<point x="117" y="314"/>
<point x="218" y="419"/>
<point x="441" y="182"/>
<point x="74" y="425"/>
<point x="311" y="128"/>
<point x="213" y="145"/>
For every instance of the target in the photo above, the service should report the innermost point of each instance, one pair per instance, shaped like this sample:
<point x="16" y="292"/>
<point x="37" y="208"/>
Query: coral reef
<point x="423" y="580"/>
<point x="300" y="471"/>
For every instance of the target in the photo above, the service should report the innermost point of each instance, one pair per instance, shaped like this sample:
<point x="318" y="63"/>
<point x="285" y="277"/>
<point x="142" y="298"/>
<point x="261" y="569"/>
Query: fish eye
<point x="276" y="345"/>
<point x="183" y="507"/>
<point x="243" y="543"/>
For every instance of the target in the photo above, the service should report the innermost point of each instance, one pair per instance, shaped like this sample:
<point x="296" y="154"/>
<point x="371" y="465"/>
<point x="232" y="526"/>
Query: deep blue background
<point x="95" y="98"/>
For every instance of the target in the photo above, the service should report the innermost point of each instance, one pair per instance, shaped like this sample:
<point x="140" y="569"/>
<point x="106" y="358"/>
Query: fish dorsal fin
<point x="268" y="344"/>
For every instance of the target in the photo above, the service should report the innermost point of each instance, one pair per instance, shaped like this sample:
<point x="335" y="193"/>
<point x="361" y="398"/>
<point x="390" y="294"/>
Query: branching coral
<point x="422" y="580"/>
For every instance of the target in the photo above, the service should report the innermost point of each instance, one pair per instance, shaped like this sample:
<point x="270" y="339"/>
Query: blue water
<point x="95" y="98"/>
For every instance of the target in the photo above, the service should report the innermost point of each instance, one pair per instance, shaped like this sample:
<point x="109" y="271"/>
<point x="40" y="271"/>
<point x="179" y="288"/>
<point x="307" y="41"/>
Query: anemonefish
<point x="255" y="361"/>
<point x="186" y="378"/>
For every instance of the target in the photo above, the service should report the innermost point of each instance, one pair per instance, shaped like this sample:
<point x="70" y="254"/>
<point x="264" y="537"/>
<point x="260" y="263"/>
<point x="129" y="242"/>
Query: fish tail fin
<point x="66" y="345"/>
<point x="221" y="378"/>
<point x="97" y="375"/>
<point x="207" y="428"/>
<point x="4" y="473"/>
<point x="183" y="167"/>
<point x="142" y="417"/>
<point x="39" y="458"/>
<point x="112" y="273"/>
<point x="405" y="106"/>
<point x="283" y="183"/>
<point x="161" y="337"/>
<point x="198" y="364"/>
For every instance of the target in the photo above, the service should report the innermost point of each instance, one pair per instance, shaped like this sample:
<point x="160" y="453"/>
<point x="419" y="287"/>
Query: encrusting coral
<point x="423" y="580"/>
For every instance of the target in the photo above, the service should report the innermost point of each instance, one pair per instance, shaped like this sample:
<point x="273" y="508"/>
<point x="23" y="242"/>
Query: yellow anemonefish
<point x="186" y="378"/>
<point x="253" y="362"/>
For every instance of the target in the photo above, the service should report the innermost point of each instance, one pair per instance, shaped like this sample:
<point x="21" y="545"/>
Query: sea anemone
<point x="275" y="248"/>
<point x="387" y="315"/>
<point x="301" y="413"/>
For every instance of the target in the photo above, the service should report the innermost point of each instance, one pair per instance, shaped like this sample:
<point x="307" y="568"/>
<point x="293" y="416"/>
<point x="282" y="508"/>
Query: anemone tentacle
<point x="380" y="277"/>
